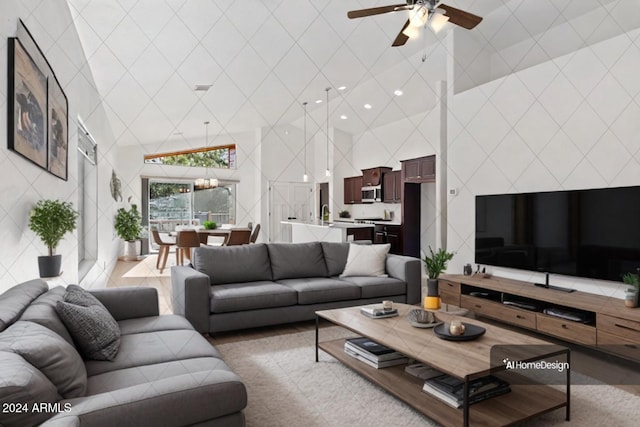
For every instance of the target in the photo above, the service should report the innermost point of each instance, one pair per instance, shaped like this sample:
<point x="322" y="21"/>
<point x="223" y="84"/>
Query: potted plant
<point x="128" y="225"/>
<point x="435" y="263"/>
<point x="50" y="220"/>
<point x="209" y="225"/>
<point x="631" y="294"/>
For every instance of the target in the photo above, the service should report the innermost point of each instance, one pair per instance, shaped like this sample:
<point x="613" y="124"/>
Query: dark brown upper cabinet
<point x="422" y="169"/>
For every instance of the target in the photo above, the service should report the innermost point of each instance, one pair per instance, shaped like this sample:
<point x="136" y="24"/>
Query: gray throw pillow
<point x="92" y="327"/>
<point x="22" y="383"/>
<point x="58" y="360"/>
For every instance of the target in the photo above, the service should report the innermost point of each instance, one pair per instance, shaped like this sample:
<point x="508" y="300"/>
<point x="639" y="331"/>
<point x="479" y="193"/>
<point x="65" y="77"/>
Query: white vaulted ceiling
<point x="264" y="58"/>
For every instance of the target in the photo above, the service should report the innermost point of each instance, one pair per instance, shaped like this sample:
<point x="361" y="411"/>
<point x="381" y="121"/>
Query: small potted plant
<point x="50" y="220"/>
<point x="209" y="225"/>
<point x="128" y="225"/>
<point x="344" y="214"/>
<point x="435" y="264"/>
<point x="631" y="294"/>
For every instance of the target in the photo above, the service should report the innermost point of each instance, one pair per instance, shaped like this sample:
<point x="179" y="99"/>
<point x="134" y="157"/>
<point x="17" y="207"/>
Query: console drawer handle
<point x="518" y="316"/>
<point x="633" y="346"/>
<point x="478" y="306"/>
<point x="626" y="327"/>
<point x="564" y="326"/>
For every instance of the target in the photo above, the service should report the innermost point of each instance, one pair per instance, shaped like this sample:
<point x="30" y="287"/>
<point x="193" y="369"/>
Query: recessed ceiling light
<point x="342" y="88"/>
<point x="343" y="117"/>
<point x="397" y="92"/>
<point x="202" y="88"/>
<point x="318" y="101"/>
<point x="367" y="106"/>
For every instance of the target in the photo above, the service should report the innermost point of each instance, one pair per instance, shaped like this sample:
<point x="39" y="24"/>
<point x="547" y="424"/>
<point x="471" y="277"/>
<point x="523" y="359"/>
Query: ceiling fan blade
<point x="402" y="37"/>
<point x="376" y="10"/>
<point x="460" y="17"/>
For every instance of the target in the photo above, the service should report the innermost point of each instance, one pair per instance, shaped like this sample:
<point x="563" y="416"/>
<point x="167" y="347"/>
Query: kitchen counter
<point x="381" y="222"/>
<point x="325" y="232"/>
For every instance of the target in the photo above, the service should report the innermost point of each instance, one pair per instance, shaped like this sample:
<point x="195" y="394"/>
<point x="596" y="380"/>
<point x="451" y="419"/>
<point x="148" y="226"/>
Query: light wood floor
<point x="144" y="273"/>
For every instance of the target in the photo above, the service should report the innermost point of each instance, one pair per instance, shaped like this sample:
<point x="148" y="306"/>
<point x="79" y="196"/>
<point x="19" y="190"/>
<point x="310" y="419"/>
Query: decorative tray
<point x="423" y="319"/>
<point x="471" y="332"/>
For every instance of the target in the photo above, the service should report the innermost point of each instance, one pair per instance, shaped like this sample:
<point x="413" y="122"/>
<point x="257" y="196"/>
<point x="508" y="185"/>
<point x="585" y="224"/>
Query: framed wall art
<point x="27" y="107"/>
<point x="58" y="130"/>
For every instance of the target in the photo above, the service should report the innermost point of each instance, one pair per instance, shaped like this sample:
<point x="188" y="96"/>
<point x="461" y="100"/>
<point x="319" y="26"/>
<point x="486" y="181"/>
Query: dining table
<point x="204" y="234"/>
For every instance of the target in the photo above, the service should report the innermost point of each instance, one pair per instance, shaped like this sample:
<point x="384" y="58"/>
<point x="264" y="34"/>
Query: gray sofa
<point x="164" y="374"/>
<point x="237" y="287"/>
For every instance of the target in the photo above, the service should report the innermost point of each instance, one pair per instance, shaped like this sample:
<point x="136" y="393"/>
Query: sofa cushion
<point x="94" y="330"/>
<point x="154" y="347"/>
<point x="372" y="287"/>
<point x="297" y="260"/>
<point x="250" y="296"/>
<point x="22" y="383"/>
<point x="335" y="257"/>
<point x="167" y="322"/>
<point x="43" y="312"/>
<point x="232" y="264"/>
<point x="313" y="290"/>
<point x="128" y="377"/>
<point x="366" y="260"/>
<point x="49" y="353"/>
<point x="16" y="299"/>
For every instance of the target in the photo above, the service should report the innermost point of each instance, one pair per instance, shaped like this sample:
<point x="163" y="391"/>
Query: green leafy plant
<point x="128" y="223"/>
<point x="437" y="262"/>
<point x="209" y="225"/>
<point x="344" y="214"/>
<point x="50" y="220"/>
<point x="632" y="279"/>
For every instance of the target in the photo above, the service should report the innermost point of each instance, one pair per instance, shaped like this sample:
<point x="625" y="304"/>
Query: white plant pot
<point x="131" y="250"/>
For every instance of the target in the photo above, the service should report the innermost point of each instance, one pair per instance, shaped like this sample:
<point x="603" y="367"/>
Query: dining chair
<point x="163" y="252"/>
<point x="237" y="237"/>
<point x="185" y="241"/>
<point x="254" y="234"/>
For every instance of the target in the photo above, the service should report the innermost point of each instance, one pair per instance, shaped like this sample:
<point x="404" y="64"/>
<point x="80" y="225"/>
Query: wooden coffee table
<point x="466" y="360"/>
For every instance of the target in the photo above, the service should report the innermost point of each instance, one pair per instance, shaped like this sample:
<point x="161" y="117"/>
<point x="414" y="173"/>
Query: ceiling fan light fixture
<point x="418" y="16"/>
<point x="411" y="32"/>
<point x="437" y="22"/>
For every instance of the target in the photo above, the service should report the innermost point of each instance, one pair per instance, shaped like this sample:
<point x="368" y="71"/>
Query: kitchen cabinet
<point x="360" y="233"/>
<point x="392" y="187"/>
<point x="391" y="234"/>
<point x="352" y="190"/>
<point x="422" y="169"/>
<point x="373" y="176"/>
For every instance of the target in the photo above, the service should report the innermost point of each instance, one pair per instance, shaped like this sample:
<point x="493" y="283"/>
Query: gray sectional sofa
<point x="237" y="287"/>
<point x="164" y="374"/>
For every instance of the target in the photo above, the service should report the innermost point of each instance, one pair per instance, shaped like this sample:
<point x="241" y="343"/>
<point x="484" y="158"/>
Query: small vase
<point x="49" y="266"/>
<point x="631" y="298"/>
<point x="432" y="300"/>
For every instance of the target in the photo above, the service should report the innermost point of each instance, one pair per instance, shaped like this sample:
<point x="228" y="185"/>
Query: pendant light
<point x="327" y="172"/>
<point x="305" y="177"/>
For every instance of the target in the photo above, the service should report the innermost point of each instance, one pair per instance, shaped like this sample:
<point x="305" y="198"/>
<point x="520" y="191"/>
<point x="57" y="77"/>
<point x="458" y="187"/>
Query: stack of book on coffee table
<point x="451" y="390"/>
<point x="372" y="353"/>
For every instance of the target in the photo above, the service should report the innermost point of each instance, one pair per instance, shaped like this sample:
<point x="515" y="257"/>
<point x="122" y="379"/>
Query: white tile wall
<point x="566" y="123"/>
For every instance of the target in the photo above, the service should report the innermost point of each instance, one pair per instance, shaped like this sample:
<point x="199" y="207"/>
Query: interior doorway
<point x="288" y="201"/>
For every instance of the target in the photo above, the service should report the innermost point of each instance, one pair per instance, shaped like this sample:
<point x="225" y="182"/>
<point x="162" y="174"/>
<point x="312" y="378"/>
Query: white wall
<point x="22" y="184"/>
<point x="564" y="124"/>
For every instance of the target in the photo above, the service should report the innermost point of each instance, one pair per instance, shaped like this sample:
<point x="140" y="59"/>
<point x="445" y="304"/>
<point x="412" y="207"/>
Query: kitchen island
<point x="329" y="231"/>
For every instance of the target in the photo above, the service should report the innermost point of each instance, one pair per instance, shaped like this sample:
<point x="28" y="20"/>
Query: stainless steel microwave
<point x="372" y="194"/>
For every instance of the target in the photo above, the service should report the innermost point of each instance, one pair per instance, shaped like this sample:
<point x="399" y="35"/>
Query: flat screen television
<point x="586" y="233"/>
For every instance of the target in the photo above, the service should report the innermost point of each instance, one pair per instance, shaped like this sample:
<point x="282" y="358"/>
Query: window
<point x="173" y="203"/>
<point x="223" y="157"/>
<point x="87" y="201"/>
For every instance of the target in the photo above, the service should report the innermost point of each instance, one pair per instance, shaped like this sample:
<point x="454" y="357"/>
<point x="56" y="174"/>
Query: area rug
<point x="287" y="388"/>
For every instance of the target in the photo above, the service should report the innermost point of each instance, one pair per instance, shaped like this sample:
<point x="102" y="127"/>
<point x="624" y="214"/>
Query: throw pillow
<point x="23" y="384"/>
<point x="92" y="327"/>
<point x="48" y="352"/>
<point x="366" y="260"/>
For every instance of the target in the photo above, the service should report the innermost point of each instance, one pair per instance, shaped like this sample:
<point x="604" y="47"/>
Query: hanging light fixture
<point x="327" y="171"/>
<point x="305" y="177"/>
<point x="206" y="182"/>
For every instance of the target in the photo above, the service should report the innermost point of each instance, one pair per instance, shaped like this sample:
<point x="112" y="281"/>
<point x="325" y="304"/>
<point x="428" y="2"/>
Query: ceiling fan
<point x="422" y="13"/>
